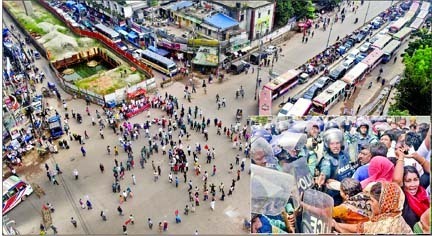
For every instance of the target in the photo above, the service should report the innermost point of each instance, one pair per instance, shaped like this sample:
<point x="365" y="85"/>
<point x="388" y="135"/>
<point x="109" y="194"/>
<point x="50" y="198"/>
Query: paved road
<point x="156" y="200"/>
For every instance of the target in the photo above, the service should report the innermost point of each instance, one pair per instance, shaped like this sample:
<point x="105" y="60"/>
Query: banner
<point x="317" y="212"/>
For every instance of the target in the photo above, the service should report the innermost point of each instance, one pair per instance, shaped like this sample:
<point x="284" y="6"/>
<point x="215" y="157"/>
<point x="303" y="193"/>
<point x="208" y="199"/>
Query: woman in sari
<point x="387" y="200"/>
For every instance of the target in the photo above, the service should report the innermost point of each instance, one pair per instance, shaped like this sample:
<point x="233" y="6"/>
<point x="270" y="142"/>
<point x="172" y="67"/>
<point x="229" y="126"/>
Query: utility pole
<point x="259" y="62"/>
<point x="367" y="11"/>
<point x="328" y="39"/>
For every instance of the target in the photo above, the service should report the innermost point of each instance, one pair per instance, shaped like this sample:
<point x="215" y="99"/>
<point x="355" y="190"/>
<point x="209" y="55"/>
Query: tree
<point x="284" y="11"/>
<point x="414" y="90"/>
<point x="300" y="9"/>
<point x="393" y="111"/>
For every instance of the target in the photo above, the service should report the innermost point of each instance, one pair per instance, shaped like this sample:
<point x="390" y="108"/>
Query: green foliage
<point x="310" y="12"/>
<point x="414" y="90"/>
<point x="284" y="11"/>
<point x="300" y="8"/>
<point x="424" y="40"/>
<point x="394" y="111"/>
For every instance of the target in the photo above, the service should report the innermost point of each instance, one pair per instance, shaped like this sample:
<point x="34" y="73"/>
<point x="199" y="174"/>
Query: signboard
<point x="317" y="212"/>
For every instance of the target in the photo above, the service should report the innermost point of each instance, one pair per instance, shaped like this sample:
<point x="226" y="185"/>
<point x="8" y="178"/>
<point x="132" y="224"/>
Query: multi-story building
<point x="124" y="9"/>
<point x="255" y="17"/>
<point x="202" y="19"/>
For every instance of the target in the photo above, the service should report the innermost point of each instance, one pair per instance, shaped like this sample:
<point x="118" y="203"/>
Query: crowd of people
<point x="168" y="136"/>
<point x="375" y="171"/>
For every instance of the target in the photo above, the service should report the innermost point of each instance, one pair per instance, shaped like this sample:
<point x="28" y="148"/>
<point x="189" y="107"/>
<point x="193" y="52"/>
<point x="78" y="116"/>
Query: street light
<point x="367" y="10"/>
<point x="328" y="39"/>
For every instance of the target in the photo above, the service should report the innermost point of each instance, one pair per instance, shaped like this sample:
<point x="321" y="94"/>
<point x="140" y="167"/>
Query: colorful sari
<point x="390" y="220"/>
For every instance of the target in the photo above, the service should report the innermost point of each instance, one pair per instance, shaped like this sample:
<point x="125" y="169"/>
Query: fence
<point x="140" y="65"/>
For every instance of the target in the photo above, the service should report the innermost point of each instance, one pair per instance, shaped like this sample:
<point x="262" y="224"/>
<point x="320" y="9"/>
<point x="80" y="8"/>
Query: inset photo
<point x="344" y="174"/>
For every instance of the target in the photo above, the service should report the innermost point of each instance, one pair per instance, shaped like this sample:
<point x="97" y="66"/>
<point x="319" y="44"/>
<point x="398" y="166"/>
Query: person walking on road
<point x="101" y="167"/>
<point x="120" y="210"/>
<point x="133" y="179"/>
<point x="75" y="173"/>
<point x="103" y="215"/>
<point x="89" y="205"/>
<point x="83" y="151"/>
<point x="74" y="222"/>
<point x="150" y="223"/>
<point x="124" y="230"/>
<point x="212" y="204"/>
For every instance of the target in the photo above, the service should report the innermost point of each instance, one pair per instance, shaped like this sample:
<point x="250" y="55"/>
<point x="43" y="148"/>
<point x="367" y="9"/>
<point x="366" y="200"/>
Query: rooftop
<point x="221" y="21"/>
<point x="250" y="4"/>
<point x="206" y="56"/>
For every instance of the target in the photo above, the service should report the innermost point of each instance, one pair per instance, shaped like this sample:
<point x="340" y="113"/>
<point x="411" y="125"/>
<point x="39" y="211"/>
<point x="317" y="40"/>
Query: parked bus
<point x="390" y="50"/>
<point x="417" y="23"/>
<point x="423" y="14"/>
<point x="425" y="6"/>
<point x="14" y="191"/>
<point x="158" y="62"/>
<point x="402" y="34"/>
<point x="301" y="107"/>
<point x="399" y="24"/>
<point x="327" y="98"/>
<point x="356" y="74"/>
<point x="108" y="32"/>
<point x="265" y="102"/>
<point x="382" y="41"/>
<point x="283" y="83"/>
<point x="373" y="59"/>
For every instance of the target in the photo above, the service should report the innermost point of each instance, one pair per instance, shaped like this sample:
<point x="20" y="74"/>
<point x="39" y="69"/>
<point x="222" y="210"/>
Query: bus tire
<point x="24" y="197"/>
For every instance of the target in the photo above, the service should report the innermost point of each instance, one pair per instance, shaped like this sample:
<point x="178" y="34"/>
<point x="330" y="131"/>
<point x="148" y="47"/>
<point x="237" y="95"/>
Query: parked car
<point x="239" y="66"/>
<point x="353" y="54"/>
<point x="304" y="77"/>
<point x="360" y="57"/>
<point x="271" y="49"/>
<point x="322" y="82"/>
<point x="37" y="55"/>
<point x="360" y="36"/>
<point x="364" y="48"/>
<point x="348" y="63"/>
<point x="254" y="57"/>
<point x="337" y="72"/>
<point x="311" y="92"/>
<point x="285" y="109"/>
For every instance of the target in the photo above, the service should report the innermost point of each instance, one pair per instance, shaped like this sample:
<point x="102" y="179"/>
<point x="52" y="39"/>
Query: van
<point x="304" y="77"/>
<point x="285" y="109"/>
<point x="239" y="66"/>
<point x="256" y="56"/>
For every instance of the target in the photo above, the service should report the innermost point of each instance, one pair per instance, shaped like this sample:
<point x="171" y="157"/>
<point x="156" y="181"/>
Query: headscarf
<point x="380" y="168"/>
<point x="391" y="201"/>
<point x="419" y="202"/>
<point x="389" y="220"/>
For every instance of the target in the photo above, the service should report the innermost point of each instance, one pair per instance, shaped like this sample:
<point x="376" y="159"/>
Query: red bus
<point x="264" y="102"/>
<point x="356" y="74"/>
<point x="373" y="59"/>
<point x="283" y="83"/>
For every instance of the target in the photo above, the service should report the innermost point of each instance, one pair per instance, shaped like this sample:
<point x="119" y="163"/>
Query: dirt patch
<point x="102" y="83"/>
<point x="32" y="166"/>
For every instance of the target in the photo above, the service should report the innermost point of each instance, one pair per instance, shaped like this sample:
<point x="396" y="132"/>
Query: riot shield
<point x="271" y="190"/>
<point x="317" y="212"/>
<point x="300" y="170"/>
<point x="262" y="153"/>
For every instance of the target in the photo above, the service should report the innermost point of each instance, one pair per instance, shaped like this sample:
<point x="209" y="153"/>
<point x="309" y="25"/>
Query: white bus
<point x="14" y="191"/>
<point x="402" y="34"/>
<point x="390" y="50"/>
<point x="158" y="62"/>
<point x="108" y="32"/>
<point x="382" y="41"/>
<point x="356" y="74"/>
<point x="327" y="98"/>
<point x="301" y="107"/>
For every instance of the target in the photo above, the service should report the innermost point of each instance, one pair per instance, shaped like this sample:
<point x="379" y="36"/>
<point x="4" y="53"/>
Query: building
<point x="202" y="19"/>
<point x="254" y="17"/>
<point x="123" y="9"/>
